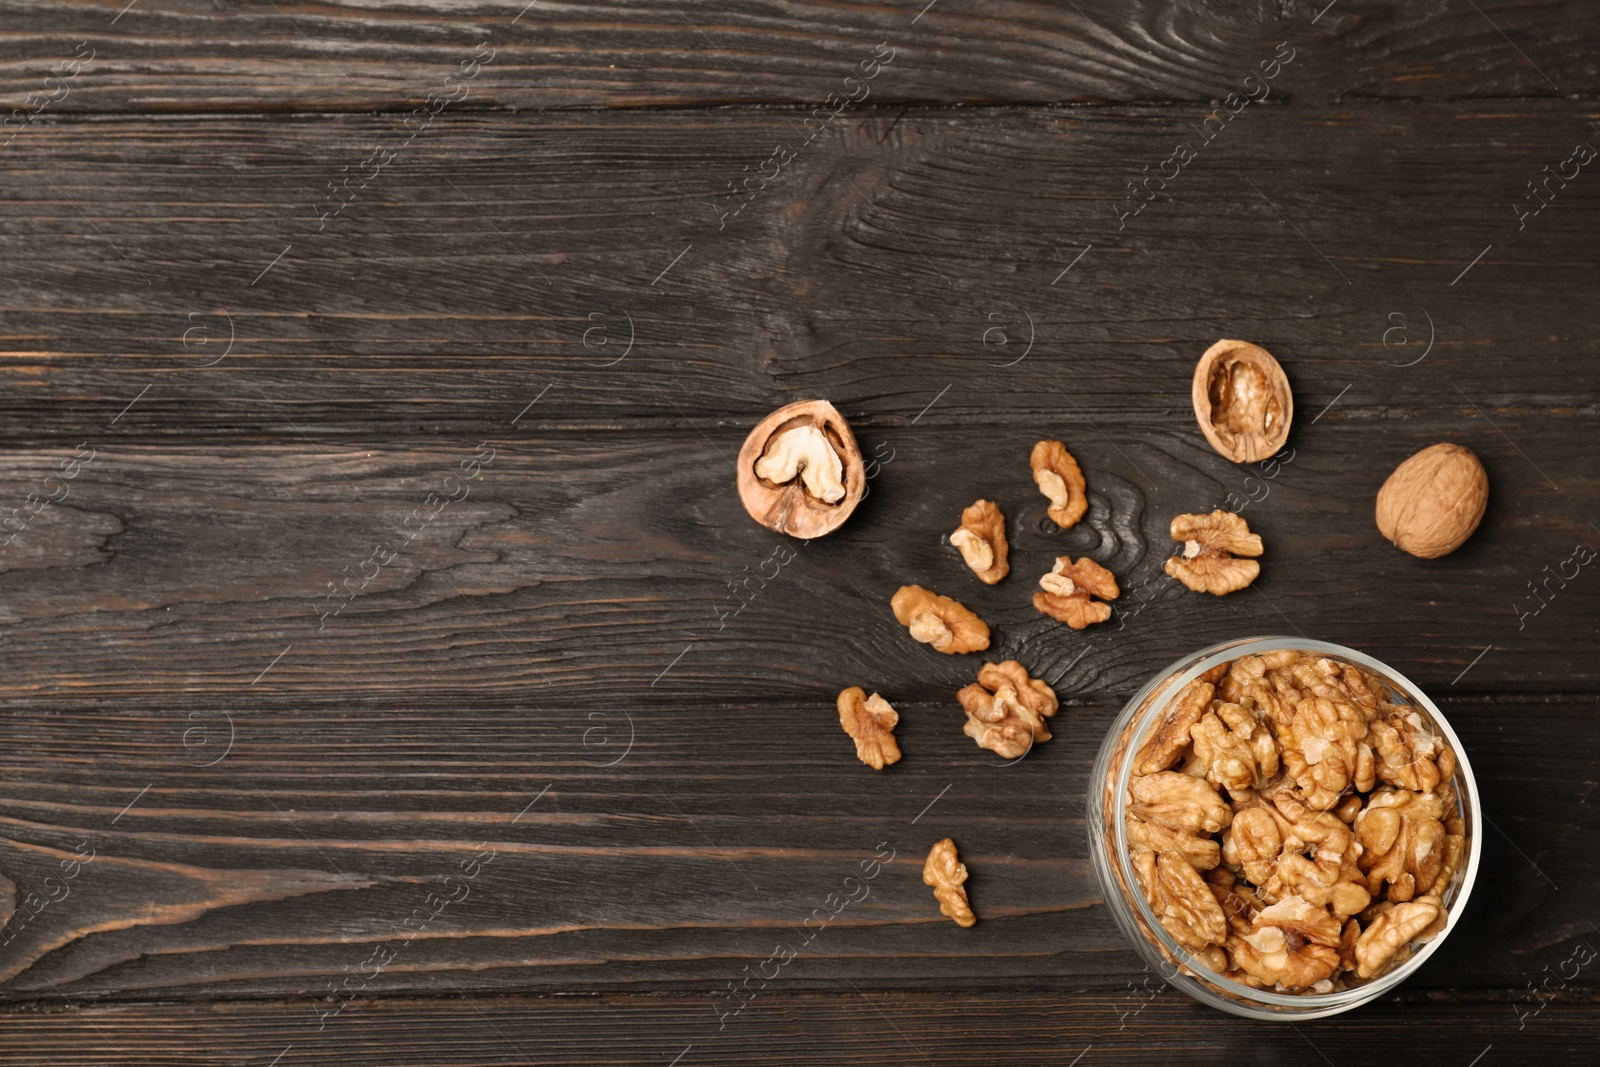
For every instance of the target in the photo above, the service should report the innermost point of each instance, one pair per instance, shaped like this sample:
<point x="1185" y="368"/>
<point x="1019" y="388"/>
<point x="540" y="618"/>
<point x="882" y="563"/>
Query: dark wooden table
<point x="458" y="312"/>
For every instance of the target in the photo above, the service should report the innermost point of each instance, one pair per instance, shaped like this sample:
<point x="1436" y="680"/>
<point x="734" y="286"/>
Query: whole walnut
<point x="1433" y="501"/>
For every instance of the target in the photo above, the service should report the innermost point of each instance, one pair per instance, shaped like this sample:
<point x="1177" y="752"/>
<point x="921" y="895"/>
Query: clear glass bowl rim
<point x="1305" y="1005"/>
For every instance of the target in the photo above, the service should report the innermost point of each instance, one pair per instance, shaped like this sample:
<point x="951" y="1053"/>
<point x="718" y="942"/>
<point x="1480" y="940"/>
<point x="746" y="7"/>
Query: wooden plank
<point x="983" y="259"/>
<point x="891" y="1029"/>
<point x="517" y="845"/>
<point x="168" y="55"/>
<point x="602" y="566"/>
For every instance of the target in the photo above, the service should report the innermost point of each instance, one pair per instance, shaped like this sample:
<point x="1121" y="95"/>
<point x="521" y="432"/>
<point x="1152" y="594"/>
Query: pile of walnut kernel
<point x="1292" y="826"/>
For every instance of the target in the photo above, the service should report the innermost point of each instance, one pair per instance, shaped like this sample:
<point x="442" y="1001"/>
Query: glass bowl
<point x="1113" y="865"/>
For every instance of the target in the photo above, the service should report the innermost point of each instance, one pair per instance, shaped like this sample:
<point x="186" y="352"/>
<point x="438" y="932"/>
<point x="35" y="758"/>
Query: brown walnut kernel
<point x="800" y="470"/>
<point x="981" y="539"/>
<point x="1058" y="477"/>
<point x="1242" y="400"/>
<point x="1410" y="757"/>
<point x="1202" y="853"/>
<point x="945" y="872"/>
<point x="1433" y="501"/>
<point x="1392" y="931"/>
<point x="870" y="721"/>
<point x="1179" y="802"/>
<point x="1253" y="843"/>
<point x="1239" y="902"/>
<point x="1232" y="749"/>
<point x="1403" y="841"/>
<point x="948" y="625"/>
<point x="1185" y="904"/>
<point x="1291" y="944"/>
<point x="1331" y="866"/>
<point x="1211" y="544"/>
<point x="1171" y="735"/>
<point x="1006" y="709"/>
<point x="1325" y="751"/>
<point x="1066" y="590"/>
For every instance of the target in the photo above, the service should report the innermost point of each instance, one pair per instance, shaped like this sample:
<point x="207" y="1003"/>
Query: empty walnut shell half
<point x="1242" y="399"/>
<point x="800" y="470"/>
<point x="1433" y="501"/>
<point x="1210" y="545"/>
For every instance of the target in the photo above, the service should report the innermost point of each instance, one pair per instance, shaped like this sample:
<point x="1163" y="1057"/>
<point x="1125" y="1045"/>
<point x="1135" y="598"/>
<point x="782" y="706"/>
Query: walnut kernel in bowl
<point x="1297" y="820"/>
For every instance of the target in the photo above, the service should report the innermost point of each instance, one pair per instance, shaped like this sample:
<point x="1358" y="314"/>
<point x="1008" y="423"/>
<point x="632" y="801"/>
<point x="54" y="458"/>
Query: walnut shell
<point x="1433" y="501"/>
<point x="800" y="470"/>
<point x="1242" y="400"/>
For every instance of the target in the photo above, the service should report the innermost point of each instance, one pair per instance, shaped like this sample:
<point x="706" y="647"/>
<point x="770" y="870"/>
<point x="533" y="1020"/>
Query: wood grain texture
<point x="498" y="256"/>
<point x="171" y="55"/>
<point x="589" y="568"/>
<point x="1052" y="1027"/>
<point x="641" y="846"/>
<point x="268" y="332"/>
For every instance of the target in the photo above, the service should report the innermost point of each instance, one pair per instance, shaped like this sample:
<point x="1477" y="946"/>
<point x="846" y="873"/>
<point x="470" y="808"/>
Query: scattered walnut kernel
<point x="1058" y="477"/>
<point x="1067" y="588"/>
<point x="946" y="873"/>
<point x="871" y="722"/>
<point x="800" y="470"/>
<point x="948" y="625"/>
<point x="1006" y="709"/>
<point x="1433" y="501"/>
<point x="982" y="541"/>
<point x="1242" y="400"/>
<point x="1317" y="813"/>
<point x="1210" y="545"/>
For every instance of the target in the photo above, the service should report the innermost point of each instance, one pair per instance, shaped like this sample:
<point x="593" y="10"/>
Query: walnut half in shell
<point x="800" y="470"/>
<point x="1241" y="397"/>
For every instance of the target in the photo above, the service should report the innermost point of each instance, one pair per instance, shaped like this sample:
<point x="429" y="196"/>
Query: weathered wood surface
<point x="222" y="814"/>
<point x="587" y="568"/>
<point x="893" y="257"/>
<point x="265" y="846"/>
<point x="166" y="55"/>
<point x="1055" y="1027"/>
